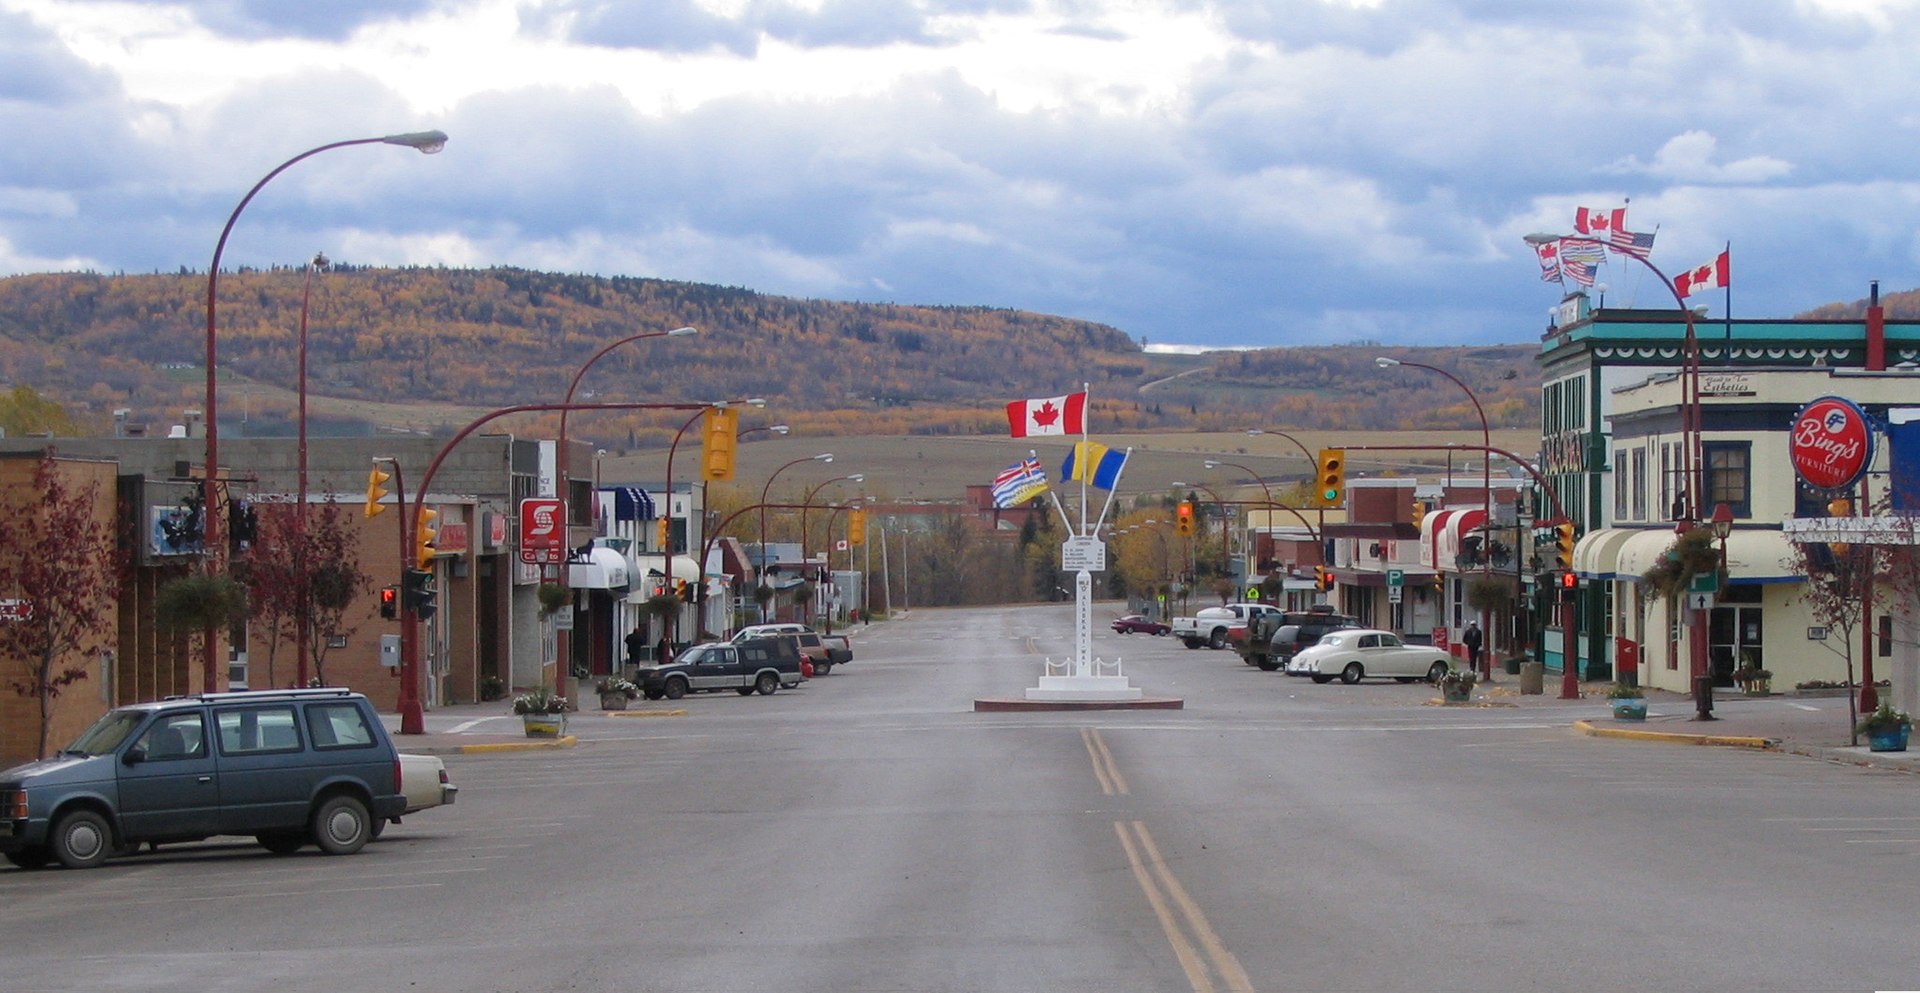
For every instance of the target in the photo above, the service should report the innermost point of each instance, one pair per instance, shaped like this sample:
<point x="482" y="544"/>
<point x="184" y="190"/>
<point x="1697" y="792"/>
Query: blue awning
<point x="631" y="503"/>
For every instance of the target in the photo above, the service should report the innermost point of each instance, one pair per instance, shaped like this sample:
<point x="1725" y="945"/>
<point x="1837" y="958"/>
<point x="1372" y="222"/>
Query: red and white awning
<point x="1440" y="535"/>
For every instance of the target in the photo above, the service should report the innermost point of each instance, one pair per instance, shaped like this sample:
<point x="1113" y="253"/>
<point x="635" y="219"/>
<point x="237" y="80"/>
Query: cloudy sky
<point x="1201" y="172"/>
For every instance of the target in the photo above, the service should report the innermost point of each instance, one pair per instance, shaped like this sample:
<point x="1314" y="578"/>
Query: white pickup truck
<point x="1211" y="627"/>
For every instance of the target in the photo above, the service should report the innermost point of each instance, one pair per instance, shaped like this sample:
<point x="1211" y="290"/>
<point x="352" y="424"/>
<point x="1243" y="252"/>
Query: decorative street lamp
<point x="212" y="538"/>
<point x="764" y="490"/>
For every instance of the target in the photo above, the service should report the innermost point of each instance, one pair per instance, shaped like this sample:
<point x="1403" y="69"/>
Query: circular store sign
<point x="1831" y="444"/>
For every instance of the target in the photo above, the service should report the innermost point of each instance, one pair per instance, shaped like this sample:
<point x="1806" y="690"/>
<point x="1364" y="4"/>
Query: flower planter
<point x="613" y="701"/>
<point x="1450" y="695"/>
<point x="1892" y="739"/>
<point x="543" y="725"/>
<point x="1629" y="710"/>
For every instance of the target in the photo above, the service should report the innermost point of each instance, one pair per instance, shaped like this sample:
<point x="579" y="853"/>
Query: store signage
<point x="1831" y="444"/>
<point x="543" y="539"/>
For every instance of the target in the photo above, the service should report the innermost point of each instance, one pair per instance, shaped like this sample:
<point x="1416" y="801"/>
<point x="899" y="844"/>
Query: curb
<point x="565" y="741"/>
<point x="1587" y="727"/>
<point x="645" y="713"/>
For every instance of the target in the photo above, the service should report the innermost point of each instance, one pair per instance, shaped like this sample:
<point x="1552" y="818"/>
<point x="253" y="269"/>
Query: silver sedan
<point x="1354" y="654"/>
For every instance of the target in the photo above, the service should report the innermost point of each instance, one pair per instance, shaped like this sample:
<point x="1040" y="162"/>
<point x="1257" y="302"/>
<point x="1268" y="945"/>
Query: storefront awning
<point x="1440" y="537"/>
<point x="1754" y="555"/>
<point x="631" y="503"/>
<point x="651" y="574"/>
<point x="598" y="569"/>
<point x="1597" y="555"/>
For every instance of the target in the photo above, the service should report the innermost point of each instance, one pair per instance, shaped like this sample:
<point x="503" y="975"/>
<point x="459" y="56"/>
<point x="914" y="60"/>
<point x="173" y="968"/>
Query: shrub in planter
<point x="193" y="603"/>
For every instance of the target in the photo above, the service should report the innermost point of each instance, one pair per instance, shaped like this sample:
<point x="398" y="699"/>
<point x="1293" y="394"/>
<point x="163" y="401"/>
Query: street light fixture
<point x="212" y="538"/>
<point x="807" y="501"/>
<point x="764" y="490"/>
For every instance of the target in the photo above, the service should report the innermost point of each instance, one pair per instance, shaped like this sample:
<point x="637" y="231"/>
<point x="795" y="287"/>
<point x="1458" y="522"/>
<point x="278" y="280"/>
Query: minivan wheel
<point x="1352" y="673"/>
<point x="81" y="840"/>
<point x="341" y="825"/>
<point x="281" y="842"/>
<point x="37" y="857"/>
<point x="767" y="683"/>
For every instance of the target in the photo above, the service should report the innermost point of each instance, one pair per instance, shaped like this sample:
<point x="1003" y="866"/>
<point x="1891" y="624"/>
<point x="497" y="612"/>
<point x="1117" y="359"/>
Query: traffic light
<point x="1439" y="583"/>
<point x="856" y="526"/>
<point x="720" y="434"/>
<point x="1331" y="480"/>
<point x="1569" y="587"/>
<point x="1563" y="547"/>
<point x="417" y="593"/>
<point x="685" y="590"/>
<point x="424" y="536"/>
<point x="389" y="602"/>
<point x="1183" y="517"/>
<point x="1322" y="578"/>
<point x="1419" y="514"/>
<point x="376" y="490"/>
<point x="662" y="533"/>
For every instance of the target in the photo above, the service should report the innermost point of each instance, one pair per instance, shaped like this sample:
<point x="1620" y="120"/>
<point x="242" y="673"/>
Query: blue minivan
<point x="287" y="767"/>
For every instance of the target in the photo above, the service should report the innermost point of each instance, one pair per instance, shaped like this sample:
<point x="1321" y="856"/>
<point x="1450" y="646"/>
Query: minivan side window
<point x="338" y="725"/>
<point x="175" y="737"/>
<point x="255" y="730"/>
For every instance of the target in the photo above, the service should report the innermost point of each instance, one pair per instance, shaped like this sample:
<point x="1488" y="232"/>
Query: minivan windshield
<point x="107" y="733"/>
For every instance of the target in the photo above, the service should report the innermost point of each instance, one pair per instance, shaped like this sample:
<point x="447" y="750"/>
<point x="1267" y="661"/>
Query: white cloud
<point x="1688" y="158"/>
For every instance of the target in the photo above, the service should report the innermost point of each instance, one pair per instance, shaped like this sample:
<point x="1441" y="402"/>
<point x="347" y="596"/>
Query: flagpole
<point x="1124" y="458"/>
<point x="1081" y="470"/>
<point x="1726" y="354"/>
<point x="1065" y="521"/>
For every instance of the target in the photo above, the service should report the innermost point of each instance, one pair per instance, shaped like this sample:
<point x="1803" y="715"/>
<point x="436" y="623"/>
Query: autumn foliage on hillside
<point x="486" y="338"/>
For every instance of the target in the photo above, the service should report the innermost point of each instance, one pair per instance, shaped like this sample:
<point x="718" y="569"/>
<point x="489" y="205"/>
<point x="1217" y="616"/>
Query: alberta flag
<point x="1019" y="483"/>
<point x="1093" y="463"/>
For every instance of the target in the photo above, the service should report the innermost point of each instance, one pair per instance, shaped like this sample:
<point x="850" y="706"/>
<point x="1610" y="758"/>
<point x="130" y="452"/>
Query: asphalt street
<point x="871" y="832"/>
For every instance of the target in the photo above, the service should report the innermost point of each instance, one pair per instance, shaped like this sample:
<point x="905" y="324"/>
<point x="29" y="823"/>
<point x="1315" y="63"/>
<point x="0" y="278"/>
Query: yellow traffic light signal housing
<point x="1183" y="517"/>
<point x="1330" y="481"/>
<point x="856" y="526"/>
<point x="1563" y="547"/>
<point x="1419" y="514"/>
<point x="662" y="533"/>
<point x="424" y="536"/>
<point x="720" y="435"/>
<point x="1322" y="578"/>
<point x="376" y="490"/>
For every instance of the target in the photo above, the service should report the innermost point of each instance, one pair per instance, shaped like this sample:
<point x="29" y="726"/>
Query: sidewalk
<point x="1816" y="726"/>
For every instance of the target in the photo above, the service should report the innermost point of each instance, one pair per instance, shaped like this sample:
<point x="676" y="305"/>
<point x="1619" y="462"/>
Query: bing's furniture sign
<point x="1831" y="444"/>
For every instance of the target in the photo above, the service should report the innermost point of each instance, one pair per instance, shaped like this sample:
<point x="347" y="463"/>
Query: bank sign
<point x="1831" y="444"/>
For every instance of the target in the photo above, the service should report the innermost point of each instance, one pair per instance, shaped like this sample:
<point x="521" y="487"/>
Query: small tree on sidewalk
<point x="58" y="556"/>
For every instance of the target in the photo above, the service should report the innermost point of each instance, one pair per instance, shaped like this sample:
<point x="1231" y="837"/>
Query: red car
<point x="1136" y="623"/>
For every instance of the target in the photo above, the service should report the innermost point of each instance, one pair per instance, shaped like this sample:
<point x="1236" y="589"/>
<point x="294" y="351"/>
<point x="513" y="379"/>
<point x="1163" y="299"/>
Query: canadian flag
<point x="1711" y="276"/>
<point x="1048" y="415"/>
<point x="1600" y="222"/>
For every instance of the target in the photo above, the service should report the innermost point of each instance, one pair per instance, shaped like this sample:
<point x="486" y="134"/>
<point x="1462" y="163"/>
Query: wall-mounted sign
<point x="1831" y="443"/>
<point x="543" y="539"/>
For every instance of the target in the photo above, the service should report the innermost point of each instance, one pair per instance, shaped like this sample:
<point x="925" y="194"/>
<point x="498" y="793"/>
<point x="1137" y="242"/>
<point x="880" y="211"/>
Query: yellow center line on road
<point x="1112" y="783"/>
<point x="1162" y="889"/>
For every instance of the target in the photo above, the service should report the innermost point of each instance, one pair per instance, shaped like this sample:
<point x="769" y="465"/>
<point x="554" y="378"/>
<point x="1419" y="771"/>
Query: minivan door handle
<point x="206" y="779"/>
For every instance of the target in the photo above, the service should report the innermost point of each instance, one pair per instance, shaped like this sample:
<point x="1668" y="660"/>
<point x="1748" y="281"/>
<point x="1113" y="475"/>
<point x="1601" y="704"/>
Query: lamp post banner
<point x="1831" y="444"/>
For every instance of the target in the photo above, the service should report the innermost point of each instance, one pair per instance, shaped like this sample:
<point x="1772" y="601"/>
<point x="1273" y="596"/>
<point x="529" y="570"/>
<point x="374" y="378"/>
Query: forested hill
<point x="448" y="339"/>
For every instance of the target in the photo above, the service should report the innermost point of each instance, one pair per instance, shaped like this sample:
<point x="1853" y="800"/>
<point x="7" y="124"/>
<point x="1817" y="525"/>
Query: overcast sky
<point x="1228" y="173"/>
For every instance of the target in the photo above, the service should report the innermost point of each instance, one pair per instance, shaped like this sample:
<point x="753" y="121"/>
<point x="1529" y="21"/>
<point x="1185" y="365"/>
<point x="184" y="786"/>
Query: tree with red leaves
<point x="294" y="578"/>
<point x="58" y="555"/>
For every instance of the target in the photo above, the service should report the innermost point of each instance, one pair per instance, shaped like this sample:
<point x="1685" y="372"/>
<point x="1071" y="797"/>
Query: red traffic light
<point x="1568" y="580"/>
<point x="389" y="602"/>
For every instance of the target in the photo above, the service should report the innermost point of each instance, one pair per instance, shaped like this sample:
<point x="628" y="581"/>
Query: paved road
<point x="870" y="832"/>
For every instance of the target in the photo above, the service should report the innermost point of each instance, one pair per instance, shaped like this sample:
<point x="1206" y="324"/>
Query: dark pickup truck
<point x="753" y="665"/>
<point x="1272" y="639"/>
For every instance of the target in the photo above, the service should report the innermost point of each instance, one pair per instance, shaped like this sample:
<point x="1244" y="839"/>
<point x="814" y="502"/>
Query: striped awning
<point x="631" y="503"/>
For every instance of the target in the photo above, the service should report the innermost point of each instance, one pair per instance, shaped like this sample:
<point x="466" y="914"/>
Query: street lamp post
<point x="303" y="611"/>
<point x="1226" y="563"/>
<point x="666" y="545"/>
<point x="764" y="490"/>
<point x="807" y="501"/>
<point x="561" y="460"/>
<point x="1486" y="483"/>
<point x="427" y="142"/>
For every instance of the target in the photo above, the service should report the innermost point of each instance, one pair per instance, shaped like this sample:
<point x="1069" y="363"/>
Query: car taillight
<point x="443" y="776"/>
<point x="398" y="785"/>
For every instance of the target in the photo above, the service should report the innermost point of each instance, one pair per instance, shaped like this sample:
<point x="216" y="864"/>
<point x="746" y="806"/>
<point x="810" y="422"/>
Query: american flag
<point x="1578" y="271"/>
<point x="1631" y="243"/>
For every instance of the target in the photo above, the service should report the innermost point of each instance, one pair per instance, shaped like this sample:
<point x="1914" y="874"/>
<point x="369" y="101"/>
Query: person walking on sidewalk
<point x="1472" y="639"/>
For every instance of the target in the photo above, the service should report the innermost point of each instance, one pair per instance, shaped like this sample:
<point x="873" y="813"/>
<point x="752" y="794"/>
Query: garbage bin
<point x="1533" y="676"/>
<point x="1514" y="664"/>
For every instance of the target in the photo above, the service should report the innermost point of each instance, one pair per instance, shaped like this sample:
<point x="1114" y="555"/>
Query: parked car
<point x="839" y="650"/>
<point x="424" y="782"/>
<point x="285" y="766"/>
<point x="1354" y="654"/>
<point x="1210" y="626"/>
<point x="1274" y="638"/>
<point x="755" y="665"/>
<point x="1138" y="624"/>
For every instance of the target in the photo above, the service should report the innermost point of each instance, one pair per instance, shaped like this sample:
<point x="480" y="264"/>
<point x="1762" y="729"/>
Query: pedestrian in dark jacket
<point x="1472" y="639"/>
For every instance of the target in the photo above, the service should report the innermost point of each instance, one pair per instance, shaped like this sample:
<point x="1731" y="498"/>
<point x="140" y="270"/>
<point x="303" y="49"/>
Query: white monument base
<point x="1083" y="688"/>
